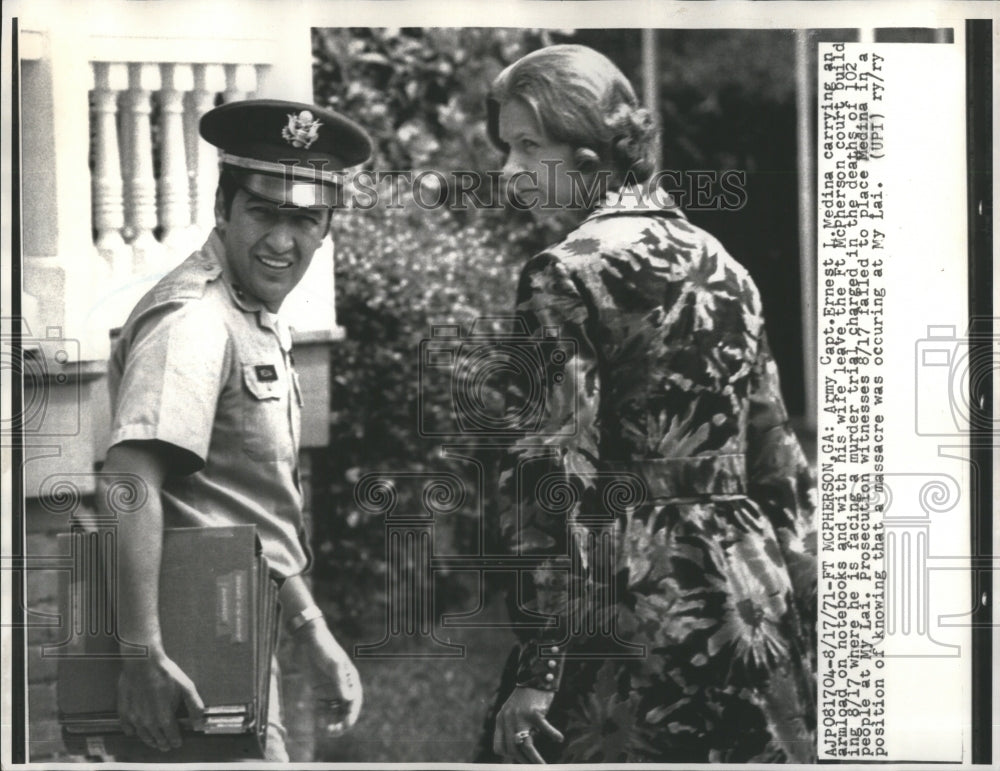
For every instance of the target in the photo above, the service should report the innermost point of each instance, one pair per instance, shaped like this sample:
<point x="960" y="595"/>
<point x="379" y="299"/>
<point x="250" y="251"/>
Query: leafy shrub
<point x="421" y="94"/>
<point x="398" y="272"/>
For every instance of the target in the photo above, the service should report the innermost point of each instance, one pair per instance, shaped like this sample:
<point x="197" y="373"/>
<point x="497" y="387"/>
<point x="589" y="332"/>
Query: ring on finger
<point x="522" y="736"/>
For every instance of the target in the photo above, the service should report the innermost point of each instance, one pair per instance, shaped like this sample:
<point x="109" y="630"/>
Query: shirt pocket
<point x="266" y="427"/>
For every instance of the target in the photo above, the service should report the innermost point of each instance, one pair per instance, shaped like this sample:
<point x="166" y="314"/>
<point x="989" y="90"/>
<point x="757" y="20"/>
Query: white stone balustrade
<point x="143" y="79"/>
<point x="113" y="175"/>
<point x="173" y="187"/>
<point x="122" y="185"/>
<point x="147" y="215"/>
<point x="106" y="179"/>
<point x="241" y="81"/>
<point x="202" y="169"/>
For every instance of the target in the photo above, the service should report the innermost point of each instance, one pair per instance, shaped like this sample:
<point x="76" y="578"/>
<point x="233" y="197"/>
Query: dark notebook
<point x="219" y="620"/>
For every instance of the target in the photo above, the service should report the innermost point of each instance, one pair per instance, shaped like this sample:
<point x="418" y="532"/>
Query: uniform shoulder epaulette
<point x="190" y="279"/>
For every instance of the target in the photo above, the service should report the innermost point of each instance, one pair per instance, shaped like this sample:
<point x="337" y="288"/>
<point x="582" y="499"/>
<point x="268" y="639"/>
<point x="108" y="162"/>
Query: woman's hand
<point x="523" y="715"/>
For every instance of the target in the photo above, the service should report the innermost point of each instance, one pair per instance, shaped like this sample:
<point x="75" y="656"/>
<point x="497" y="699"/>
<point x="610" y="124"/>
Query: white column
<point x="142" y="80"/>
<point x="106" y="178"/>
<point x="64" y="270"/>
<point x="202" y="158"/>
<point x="126" y="130"/>
<point x="174" y="205"/>
<point x="241" y="81"/>
<point x="260" y="73"/>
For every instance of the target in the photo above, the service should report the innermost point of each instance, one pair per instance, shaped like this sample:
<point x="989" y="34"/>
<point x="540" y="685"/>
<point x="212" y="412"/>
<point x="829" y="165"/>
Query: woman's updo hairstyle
<point x="580" y="98"/>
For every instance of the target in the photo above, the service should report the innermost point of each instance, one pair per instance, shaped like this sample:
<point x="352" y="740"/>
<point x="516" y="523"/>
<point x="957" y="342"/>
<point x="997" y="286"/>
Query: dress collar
<point x="636" y="199"/>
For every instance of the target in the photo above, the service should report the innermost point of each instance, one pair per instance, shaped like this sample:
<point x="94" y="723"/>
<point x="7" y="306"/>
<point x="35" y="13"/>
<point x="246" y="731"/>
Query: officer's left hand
<point x="336" y="682"/>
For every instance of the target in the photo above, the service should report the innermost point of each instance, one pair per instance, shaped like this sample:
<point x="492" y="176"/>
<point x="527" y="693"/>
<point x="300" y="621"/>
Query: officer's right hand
<point x="149" y="692"/>
<point x="335" y="680"/>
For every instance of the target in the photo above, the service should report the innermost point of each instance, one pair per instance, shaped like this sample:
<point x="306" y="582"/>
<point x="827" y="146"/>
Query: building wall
<point x="86" y="74"/>
<point x="46" y="518"/>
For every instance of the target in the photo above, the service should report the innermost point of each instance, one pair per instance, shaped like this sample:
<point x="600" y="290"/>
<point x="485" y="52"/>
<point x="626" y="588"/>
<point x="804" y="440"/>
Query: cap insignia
<point x="302" y="130"/>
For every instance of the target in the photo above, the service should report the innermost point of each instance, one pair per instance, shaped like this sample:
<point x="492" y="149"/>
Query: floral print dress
<point x="662" y="504"/>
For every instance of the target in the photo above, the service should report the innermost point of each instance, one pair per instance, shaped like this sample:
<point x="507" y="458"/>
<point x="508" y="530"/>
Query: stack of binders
<point x="219" y="620"/>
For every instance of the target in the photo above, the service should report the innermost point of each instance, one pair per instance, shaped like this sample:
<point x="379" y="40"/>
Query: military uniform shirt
<point x="208" y="370"/>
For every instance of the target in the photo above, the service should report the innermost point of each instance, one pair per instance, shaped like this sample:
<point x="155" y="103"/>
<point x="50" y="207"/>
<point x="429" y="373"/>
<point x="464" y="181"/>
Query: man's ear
<point x="221" y="220"/>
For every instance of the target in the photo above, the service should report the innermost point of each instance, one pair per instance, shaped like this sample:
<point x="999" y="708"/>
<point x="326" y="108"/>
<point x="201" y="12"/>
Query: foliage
<point x="420" y="92"/>
<point x="399" y="270"/>
<point x="727" y="102"/>
<point x="398" y="273"/>
<point x="423" y="710"/>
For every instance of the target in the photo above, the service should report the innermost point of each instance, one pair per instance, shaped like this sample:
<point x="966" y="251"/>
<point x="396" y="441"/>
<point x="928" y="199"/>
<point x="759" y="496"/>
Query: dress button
<point x="555" y="648"/>
<point x="552" y="664"/>
<point x="550" y="677"/>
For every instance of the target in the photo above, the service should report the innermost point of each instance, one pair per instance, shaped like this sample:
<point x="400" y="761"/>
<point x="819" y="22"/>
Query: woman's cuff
<point x="540" y="665"/>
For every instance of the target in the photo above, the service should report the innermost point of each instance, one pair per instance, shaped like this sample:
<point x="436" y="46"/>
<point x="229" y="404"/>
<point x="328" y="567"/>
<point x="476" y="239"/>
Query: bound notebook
<point x="219" y="620"/>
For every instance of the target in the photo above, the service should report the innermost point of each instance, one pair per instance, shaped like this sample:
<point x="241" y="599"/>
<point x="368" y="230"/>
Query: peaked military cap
<point x="286" y="152"/>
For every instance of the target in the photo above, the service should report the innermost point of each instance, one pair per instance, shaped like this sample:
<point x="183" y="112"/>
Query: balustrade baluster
<point x="126" y="130"/>
<point x="174" y="203"/>
<point x="241" y="82"/>
<point x="260" y="73"/>
<point x="203" y="166"/>
<point x="142" y="79"/>
<point x="106" y="177"/>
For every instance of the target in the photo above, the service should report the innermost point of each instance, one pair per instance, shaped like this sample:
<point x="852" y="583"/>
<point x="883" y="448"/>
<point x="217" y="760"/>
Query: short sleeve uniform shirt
<point x="208" y="370"/>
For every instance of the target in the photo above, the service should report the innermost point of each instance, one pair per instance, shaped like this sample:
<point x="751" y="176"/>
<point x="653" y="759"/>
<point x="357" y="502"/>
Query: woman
<point x="661" y="498"/>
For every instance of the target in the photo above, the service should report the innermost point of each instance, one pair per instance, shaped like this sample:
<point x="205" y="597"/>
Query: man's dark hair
<point x="228" y="184"/>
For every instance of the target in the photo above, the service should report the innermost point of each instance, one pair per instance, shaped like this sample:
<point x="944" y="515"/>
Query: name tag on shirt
<point x="266" y="373"/>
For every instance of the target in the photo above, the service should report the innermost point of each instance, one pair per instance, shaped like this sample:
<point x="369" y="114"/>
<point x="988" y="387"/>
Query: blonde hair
<point x="580" y="98"/>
